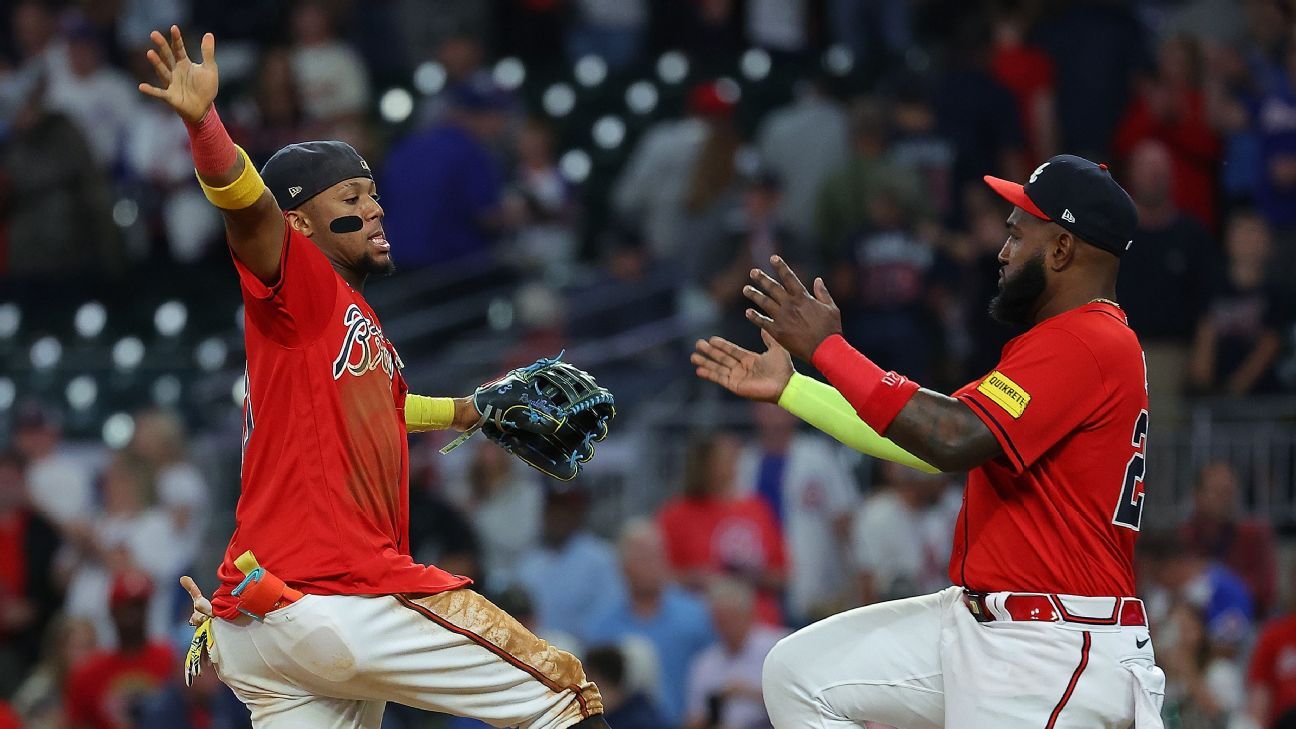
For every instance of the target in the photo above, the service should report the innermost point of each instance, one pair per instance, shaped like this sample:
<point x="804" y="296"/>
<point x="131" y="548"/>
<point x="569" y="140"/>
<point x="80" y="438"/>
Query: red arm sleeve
<point x="1046" y="386"/>
<point x="295" y="309"/>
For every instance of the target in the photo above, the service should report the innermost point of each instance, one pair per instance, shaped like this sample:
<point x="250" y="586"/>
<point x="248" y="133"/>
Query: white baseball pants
<point x="332" y="662"/>
<point x="925" y="663"/>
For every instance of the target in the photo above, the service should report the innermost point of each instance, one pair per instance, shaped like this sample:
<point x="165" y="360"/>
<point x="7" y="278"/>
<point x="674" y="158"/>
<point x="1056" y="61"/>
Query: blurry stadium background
<point x="597" y="176"/>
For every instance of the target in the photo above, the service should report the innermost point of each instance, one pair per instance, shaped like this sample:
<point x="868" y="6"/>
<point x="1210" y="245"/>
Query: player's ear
<point x="300" y="222"/>
<point x="1061" y="252"/>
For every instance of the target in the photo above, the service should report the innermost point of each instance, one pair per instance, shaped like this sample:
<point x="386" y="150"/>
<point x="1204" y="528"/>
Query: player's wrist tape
<point x="213" y="151"/>
<point x="240" y="193"/>
<point x="877" y="396"/>
<point x="428" y="413"/>
<point x="825" y="408"/>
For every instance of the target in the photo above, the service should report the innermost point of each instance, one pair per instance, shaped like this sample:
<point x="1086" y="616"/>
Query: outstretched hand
<point x="188" y="87"/>
<point x="202" y="607"/>
<point x="797" y="319"/>
<point x="746" y="374"/>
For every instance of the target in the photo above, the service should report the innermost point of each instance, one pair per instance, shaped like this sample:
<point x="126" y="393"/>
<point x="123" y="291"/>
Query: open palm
<point x="741" y="371"/>
<point x="188" y="87"/>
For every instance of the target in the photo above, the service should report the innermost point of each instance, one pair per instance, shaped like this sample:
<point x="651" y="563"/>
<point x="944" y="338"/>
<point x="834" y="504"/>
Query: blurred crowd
<point x="848" y="136"/>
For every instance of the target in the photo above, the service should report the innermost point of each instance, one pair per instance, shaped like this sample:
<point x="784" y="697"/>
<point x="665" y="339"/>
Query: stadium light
<point x="590" y="71"/>
<point x="839" y="60"/>
<point x="509" y="73"/>
<point x="429" y="78"/>
<point x="117" y="430"/>
<point x="210" y="354"/>
<point x="575" y="165"/>
<point x="609" y="132"/>
<point x="166" y="390"/>
<point x="396" y="105"/>
<point x="756" y="64"/>
<point x="239" y="390"/>
<point x="46" y="353"/>
<point x="127" y="353"/>
<point x="81" y="392"/>
<point x="10" y="319"/>
<point x="125" y="212"/>
<point x="559" y="100"/>
<point x="728" y="90"/>
<point x="90" y="319"/>
<point x="641" y="97"/>
<point x="170" y="318"/>
<point x="672" y="67"/>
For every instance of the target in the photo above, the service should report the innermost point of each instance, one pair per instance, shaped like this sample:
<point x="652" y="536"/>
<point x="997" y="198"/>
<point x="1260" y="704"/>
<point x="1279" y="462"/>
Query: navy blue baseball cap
<point x="1078" y="195"/>
<point x="301" y="171"/>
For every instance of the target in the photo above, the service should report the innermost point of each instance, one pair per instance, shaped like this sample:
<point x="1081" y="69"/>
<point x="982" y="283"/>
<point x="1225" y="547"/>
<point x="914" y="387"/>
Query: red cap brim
<point x="1015" y="194"/>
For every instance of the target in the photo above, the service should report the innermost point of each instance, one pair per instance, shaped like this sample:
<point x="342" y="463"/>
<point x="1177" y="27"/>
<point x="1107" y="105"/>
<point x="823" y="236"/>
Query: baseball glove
<point x="549" y="414"/>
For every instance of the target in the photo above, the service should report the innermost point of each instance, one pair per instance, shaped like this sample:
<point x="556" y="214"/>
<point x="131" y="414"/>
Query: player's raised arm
<point x="770" y="377"/>
<point x="253" y="221"/>
<point x="935" y="428"/>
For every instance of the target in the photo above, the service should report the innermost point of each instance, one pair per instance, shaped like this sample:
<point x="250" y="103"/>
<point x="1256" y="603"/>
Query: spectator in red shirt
<point x="1272" y="675"/>
<point x="8" y="719"/>
<point x="1218" y="529"/>
<point x="1170" y="107"/>
<point x="109" y="688"/>
<point x="709" y="529"/>
<point x="29" y="594"/>
<point x="1029" y="74"/>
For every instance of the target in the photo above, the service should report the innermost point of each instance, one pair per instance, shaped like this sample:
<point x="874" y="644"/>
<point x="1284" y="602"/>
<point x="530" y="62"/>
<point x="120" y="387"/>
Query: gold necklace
<point x="1101" y="300"/>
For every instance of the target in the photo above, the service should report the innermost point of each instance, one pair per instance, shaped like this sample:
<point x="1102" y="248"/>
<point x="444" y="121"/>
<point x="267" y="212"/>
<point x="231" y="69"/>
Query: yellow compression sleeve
<point x="240" y="193"/>
<point x="823" y="407"/>
<point x="428" y="413"/>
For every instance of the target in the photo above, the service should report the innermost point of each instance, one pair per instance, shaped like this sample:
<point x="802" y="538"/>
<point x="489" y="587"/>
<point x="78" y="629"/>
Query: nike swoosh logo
<point x="1141" y="643"/>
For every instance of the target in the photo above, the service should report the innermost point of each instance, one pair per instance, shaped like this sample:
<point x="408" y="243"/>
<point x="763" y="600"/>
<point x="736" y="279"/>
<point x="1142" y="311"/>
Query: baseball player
<point x="321" y="615"/>
<point x="1041" y="628"/>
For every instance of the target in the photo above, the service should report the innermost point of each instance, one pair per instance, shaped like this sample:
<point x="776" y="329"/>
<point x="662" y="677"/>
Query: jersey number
<point x="1129" y="510"/>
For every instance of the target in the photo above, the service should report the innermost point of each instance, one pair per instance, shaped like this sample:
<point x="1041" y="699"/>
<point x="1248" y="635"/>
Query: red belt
<point x="1049" y="608"/>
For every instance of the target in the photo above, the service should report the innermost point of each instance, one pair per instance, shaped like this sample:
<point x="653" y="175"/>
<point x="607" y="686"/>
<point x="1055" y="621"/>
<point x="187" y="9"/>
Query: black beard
<point x="1015" y="303"/>
<point x="371" y="265"/>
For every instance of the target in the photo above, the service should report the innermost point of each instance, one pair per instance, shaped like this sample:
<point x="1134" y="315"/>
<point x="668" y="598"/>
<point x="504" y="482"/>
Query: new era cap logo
<point x="294" y="191"/>
<point x="1035" y="175"/>
<point x="1067" y="216"/>
<point x="365" y="165"/>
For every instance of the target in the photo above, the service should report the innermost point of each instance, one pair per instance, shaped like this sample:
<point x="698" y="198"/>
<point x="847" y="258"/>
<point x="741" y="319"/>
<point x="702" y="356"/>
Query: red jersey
<point x="1059" y="511"/>
<point x="1273" y="665"/>
<point x="717" y="535"/>
<point x="103" y="691"/>
<point x="324" y="503"/>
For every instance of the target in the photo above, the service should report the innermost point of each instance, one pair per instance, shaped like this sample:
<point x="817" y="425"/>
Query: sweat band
<point x="214" y="152"/>
<point x="826" y="409"/>
<point x="877" y="396"/>
<point x="428" y="413"/>
<point x="240" y="193"/>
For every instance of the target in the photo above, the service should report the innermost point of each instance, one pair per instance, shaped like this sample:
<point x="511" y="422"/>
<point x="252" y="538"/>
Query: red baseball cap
<point x="130" y="585"/>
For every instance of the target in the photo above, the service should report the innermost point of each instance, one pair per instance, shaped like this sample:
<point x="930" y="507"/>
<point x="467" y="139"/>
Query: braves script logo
<point x="363" y="348"/>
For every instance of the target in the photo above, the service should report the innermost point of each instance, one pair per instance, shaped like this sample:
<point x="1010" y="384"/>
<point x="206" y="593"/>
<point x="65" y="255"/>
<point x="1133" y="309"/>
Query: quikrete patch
<point x="1005" y="393"/>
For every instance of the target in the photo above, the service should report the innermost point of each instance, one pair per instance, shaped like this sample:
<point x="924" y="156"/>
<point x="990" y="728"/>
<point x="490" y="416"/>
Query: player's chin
<point x="379" y="263"/>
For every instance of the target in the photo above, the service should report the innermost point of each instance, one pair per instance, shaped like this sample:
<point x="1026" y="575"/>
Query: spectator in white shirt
<point x="724" y="686"/>
<point x="804" y="479"/>
<point x="901" y="535"/>
<point x="99" y="99"/>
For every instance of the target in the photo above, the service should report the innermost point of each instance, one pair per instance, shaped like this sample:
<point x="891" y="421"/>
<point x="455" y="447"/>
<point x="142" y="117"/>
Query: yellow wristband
<point x="428" y="413"/>
<point x="240" y="193"/>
